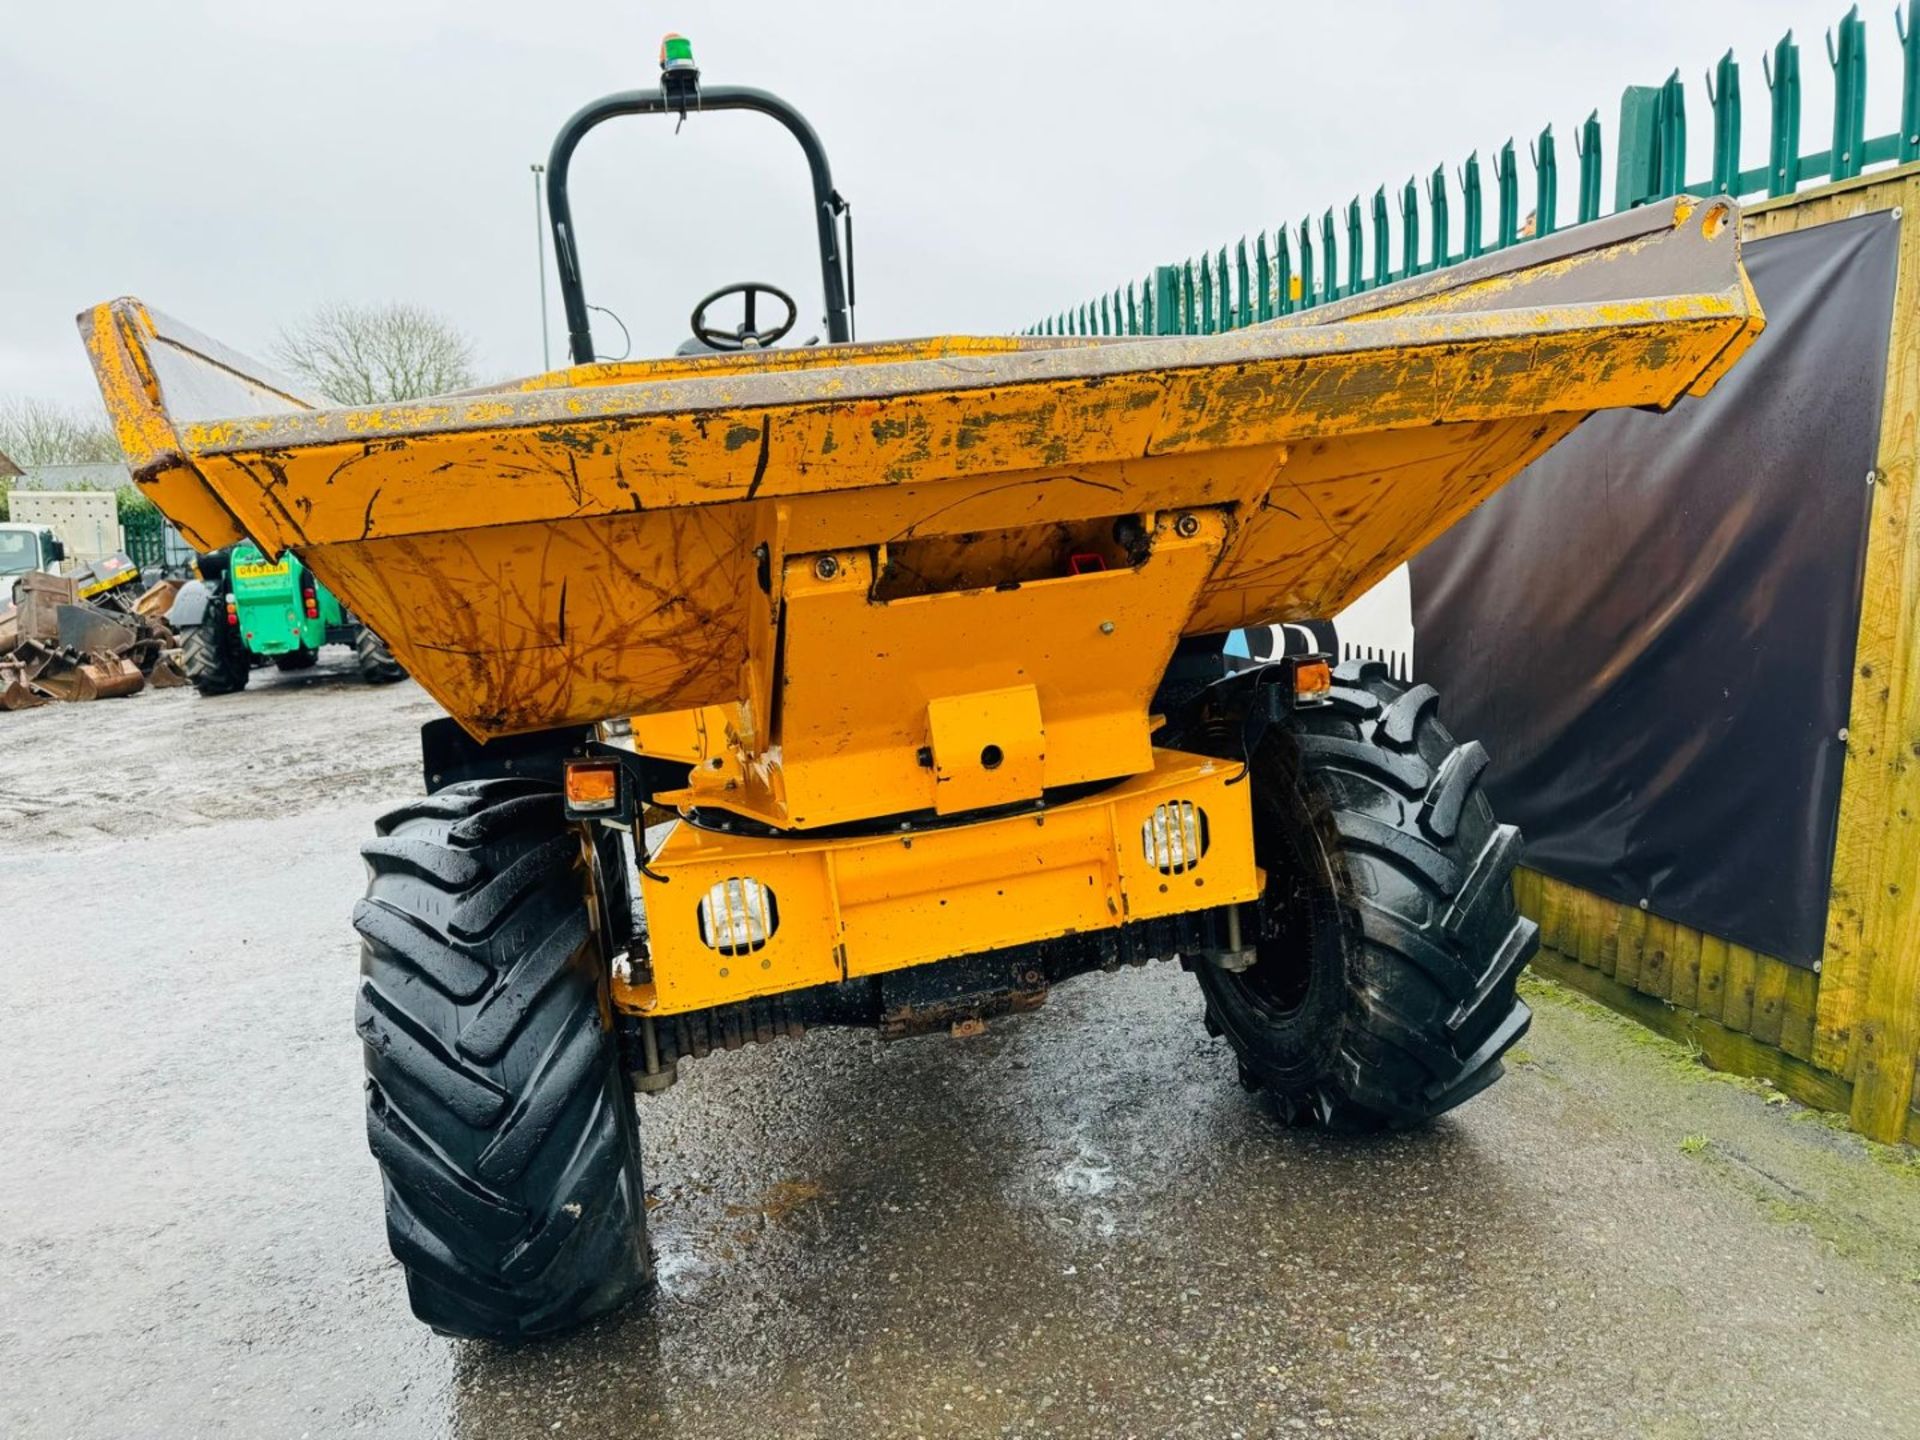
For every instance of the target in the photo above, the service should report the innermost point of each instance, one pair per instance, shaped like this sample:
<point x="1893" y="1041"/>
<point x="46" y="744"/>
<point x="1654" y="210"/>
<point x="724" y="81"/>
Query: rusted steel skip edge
<point x="355" y="491"/>
<point x="902" y="383"/>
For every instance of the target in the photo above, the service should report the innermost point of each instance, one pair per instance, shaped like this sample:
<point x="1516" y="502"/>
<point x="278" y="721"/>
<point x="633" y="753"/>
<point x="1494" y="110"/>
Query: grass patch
<point x="1686" y="1061"/>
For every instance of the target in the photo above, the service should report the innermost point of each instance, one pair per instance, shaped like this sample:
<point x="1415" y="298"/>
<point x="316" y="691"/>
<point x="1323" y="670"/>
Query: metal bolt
<point x="1873" y="477"/>
<point x="1106" y="627"/>
<point x="1187" y="526"/>
<point x="826" y="567"/>
<point x="1643" y="902"/>
<point x="1816" y="967"/>
<point x="1843" y="734"/>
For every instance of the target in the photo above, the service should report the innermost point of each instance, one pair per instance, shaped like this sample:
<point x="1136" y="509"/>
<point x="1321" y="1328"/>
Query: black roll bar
<point x="827" y="203"/>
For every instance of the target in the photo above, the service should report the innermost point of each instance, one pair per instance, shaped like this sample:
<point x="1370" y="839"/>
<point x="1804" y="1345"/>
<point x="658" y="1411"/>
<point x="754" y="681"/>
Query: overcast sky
<point x="237" y="162"/>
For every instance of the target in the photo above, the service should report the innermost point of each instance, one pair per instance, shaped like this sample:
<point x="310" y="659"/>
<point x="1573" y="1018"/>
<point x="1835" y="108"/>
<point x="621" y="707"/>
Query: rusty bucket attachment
<point x="15" y="693"/>
<point x="112" y="676"/>
<point x="166" y="673"/>
<point x="62" y="679"/>
<point x="64" y="675"/>
<point x="56" y="645"/>
<point x="39" y="598"/>
<point x="84" y="628"/>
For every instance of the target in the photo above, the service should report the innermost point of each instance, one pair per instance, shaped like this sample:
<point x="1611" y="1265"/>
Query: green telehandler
<point x="246" y="610"/>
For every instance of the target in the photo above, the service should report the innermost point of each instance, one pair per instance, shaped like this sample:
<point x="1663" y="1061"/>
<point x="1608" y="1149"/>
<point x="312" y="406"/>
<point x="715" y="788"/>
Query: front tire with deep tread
<point x="496" y="1102"/>
<point x="1384" y="992"/>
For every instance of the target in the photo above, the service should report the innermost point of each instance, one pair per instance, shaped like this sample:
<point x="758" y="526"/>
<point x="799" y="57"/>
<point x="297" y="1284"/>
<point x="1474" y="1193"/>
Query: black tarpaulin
<point x="1652" y="628"/>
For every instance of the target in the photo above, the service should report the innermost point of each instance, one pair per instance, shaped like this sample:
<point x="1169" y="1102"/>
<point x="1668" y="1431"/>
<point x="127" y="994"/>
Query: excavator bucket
<point x="779" y="540"/>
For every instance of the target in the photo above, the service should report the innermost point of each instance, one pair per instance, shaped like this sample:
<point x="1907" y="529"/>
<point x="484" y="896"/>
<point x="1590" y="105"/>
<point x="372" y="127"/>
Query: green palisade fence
<point x="1290" y="269"/>
<point x="146" y="538"/>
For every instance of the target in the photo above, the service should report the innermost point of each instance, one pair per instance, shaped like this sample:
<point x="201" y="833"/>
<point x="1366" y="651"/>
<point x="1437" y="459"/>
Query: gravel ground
<point x="1076" y="1225"/>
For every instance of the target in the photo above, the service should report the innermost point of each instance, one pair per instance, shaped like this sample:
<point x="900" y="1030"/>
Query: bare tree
<point x="374" y="354"/>
<point x="35" y="432"/>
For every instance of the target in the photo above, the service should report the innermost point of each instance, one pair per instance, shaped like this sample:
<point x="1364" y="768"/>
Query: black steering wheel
<point x="746" y="334"/>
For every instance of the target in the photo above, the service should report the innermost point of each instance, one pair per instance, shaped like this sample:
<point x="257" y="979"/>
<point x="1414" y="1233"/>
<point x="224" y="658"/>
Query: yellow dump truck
<point x="880" y="684"/>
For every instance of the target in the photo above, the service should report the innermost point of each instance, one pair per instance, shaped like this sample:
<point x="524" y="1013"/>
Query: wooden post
<point x="1880" y="796"/>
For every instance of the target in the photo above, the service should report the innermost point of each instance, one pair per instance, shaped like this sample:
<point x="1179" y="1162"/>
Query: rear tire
<point x="213" y="656"/>
<point x="296" y="660"/>
<point x="376" y="662"/>
<point x="496" y="1102"/>
<point x="1389" y="945"/>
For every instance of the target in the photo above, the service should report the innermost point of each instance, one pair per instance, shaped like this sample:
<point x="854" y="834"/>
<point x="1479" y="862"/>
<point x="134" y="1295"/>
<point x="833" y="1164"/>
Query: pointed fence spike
<point x="1472" y="240"/>
<point x="1546" y="182"/>
<point x="1437" y="207"/>
<point x="1506" y="179"/>
<point x="1329" y="260"/>
<point x="1306" y="265"/>
<point x="1263" y="277"/>
<point x="1783" y="140"/>
<point x="1410" y="228"/>
<point x="1723" y="94"/>
<point x="1166" y="300"/>
<point x="1849" y="60"/>
<point x="1356" y="260"/>
<point x="1670" y="142"/>
<point x="1382" y="258"/>
<point x="1587" y="146"/>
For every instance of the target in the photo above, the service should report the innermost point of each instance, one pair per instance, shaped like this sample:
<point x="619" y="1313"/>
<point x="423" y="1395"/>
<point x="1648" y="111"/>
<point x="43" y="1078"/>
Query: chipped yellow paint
<point x="849" y="907"/>
<point x="115" y="346"/>
<point x="868" y="662"/>
<point x="942" y="575"/>
<point x="618" y="539"/>
<point x="1333" y="492"/>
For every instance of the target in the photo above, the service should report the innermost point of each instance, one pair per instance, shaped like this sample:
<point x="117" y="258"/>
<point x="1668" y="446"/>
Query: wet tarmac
<point x="1075" y="1225"/>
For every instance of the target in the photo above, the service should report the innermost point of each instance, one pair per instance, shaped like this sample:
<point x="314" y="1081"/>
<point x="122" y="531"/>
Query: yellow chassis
<point x="843" y="908"/>
<point x="940" y="704"/>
